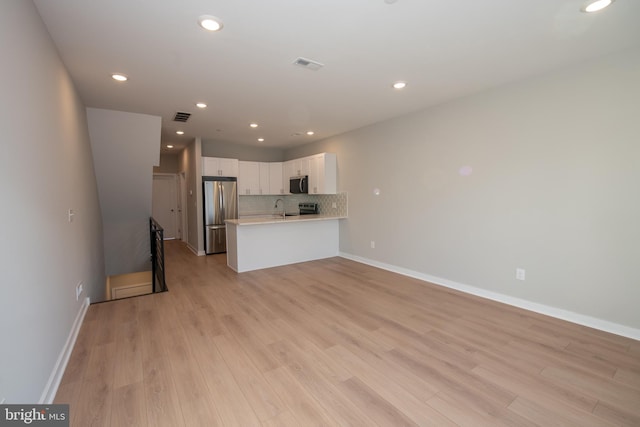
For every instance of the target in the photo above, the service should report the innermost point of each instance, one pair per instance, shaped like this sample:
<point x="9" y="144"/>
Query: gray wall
<point x="554" y="189"/>
<point x="46" y="169"/>
<point x="247" y="153"/>
<point x="125" y="147"/>
<point x="191" y="164"/>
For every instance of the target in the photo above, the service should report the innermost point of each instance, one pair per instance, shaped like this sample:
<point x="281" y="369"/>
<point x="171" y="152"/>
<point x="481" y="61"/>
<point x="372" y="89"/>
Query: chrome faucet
<point x="284" y="215"/>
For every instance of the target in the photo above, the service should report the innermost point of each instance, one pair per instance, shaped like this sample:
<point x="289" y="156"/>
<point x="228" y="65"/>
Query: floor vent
<point x="181" y="117"/>
<point x="309" y="64"/>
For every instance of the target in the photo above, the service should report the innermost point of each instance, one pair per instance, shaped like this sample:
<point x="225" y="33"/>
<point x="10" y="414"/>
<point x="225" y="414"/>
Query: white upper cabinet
<point x="248" y="178"/>
<point x="216" y="166"/>
<point x="276" y="178"/>
<point x="254" y="179"/>
<point x="297" y="167"/>
<point x="322" y="174"/>
<point x="263" y="178"/>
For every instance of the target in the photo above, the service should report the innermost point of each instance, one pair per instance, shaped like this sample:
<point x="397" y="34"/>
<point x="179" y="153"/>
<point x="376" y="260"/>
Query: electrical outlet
<point x="520" y="273"/>
<point x="334" y="205"/>
<point x="373" y="244"/>
<point x="79" y="290"/>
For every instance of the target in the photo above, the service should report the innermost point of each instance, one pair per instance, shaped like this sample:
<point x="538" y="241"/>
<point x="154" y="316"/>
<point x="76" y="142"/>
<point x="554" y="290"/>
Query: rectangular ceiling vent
<point x="181" y="117"/>
<point x="309" y="64"/>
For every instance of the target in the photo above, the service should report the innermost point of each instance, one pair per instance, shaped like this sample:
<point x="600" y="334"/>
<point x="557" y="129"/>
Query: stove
<point x="308" y="208"/>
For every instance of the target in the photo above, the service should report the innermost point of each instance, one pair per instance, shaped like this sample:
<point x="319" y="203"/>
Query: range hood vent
<point x="309" y="64"/>
<point x="181" y="117"/>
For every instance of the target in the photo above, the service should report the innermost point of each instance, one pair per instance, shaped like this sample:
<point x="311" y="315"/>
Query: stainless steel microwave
<point x="299" y="184"/>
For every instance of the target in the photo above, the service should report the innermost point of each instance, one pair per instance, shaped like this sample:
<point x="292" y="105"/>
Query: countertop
<point x="277" y="219"/>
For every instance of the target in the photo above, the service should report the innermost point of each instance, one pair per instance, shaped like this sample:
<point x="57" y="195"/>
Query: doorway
<point x="165" y="203"/>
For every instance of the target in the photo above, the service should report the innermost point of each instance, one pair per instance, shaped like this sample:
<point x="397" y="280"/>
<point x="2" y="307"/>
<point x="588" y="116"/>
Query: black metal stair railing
<point x="157" y="256"/>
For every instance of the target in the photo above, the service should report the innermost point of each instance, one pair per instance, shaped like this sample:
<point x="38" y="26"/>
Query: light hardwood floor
<point x="334" y="342"/>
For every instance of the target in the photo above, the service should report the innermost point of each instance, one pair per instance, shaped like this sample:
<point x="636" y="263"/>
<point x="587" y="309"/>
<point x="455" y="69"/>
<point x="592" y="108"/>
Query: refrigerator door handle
<point x="222" y="204"/>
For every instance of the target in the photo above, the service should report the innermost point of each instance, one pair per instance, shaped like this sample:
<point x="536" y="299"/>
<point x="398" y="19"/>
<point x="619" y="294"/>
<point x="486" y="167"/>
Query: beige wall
<point x="169" y="163"/>
<point x="555" y="166"/>
<point x="46" y="169"/>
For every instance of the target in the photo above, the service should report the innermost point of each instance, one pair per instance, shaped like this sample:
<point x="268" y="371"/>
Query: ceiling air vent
<point x="181" y="117"/>
<point x="309" y="64"/>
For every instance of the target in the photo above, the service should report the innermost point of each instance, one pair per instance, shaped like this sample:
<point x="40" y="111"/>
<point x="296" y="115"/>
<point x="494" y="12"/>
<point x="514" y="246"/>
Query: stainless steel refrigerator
<point x="220" y="203"/>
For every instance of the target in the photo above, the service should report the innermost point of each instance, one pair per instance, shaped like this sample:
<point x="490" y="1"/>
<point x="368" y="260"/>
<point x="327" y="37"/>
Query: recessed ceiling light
<point x="596" y="5"/>
<point x="310" y="132"/>
<point x="399" y="85"/>
<point x="210" y="23"/>
<point x="169" y="146"/>
<point x="180" y="132"/>
<point x="253" y="125"/>
<point x="260" y="139"/>
<point x="201" y="105"/>
<point x="119" y="77"/>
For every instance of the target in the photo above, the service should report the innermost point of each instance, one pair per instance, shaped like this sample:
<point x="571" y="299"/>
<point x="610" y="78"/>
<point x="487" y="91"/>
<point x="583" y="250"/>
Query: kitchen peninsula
<point x="255" y="243"/>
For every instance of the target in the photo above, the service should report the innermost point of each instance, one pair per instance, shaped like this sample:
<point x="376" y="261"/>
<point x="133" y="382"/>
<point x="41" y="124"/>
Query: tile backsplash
<point x="260" y="205"/>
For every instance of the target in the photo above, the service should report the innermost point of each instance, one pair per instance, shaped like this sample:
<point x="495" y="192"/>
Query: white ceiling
<point x="444" y="49"/>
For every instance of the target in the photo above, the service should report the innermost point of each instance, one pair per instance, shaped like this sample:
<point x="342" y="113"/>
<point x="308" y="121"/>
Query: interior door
<point x="165" y="203"/>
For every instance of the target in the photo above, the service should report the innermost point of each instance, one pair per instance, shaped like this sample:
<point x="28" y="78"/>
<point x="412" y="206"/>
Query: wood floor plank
<point x="629" y="377"/>
<point x="380" y="410"/>
<point x="129" y="406"/>
<point x="338" y="406"/>
<point x="97" y="382"/>
<point x="304" y="408"/>
<point x="264" y="401"/>
<point x="417" y="410"/>
<point x="458" y="411"/>
<point x="226" y="396"/>
<point x="335" y="342"/>
<point x="128" y="363"/>
<point x="534" y="387"/>
<point x="283" y="419"/>
<point x="601" y="388"/>
<point x="484" y="396"/>
<point x="159" y="385"/>
<point x="250" y="342"/>
<point x="616" y="416"/>
<point x="546" y="412"/>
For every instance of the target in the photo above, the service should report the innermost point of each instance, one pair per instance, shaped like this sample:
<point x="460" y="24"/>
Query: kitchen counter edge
<point x="279" y="220"/>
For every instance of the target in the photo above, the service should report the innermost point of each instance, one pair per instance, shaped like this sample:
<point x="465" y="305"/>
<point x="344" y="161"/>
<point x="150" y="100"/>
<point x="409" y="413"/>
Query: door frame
<point x="184" y="206"/>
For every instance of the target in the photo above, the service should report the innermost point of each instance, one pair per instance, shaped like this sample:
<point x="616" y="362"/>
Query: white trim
<point x="51" y="388"/>
<point x="581" y="319"/>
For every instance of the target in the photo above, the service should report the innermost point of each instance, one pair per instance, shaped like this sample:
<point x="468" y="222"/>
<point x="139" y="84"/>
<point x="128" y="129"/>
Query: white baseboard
<point x="194" y="250"/>
<point x="558" y="313"/>
<point x="51" y="388"/>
